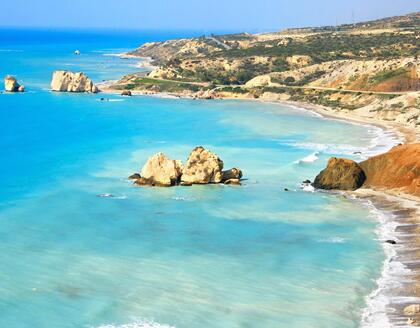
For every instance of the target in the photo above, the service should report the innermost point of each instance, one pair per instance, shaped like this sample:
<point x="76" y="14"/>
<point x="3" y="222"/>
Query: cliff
<point x="397" y="169"/>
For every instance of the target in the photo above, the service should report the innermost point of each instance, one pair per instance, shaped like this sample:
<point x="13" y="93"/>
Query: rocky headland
<point x="202" y="167"/>
<point x="66" y="81"/>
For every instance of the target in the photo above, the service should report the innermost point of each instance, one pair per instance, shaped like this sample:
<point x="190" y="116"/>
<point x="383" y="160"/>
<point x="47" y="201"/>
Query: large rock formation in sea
<point x="159" y="170"/>
<point x="202" y="167"/>
<point x="11" y="84"/>
<point x="398" y="169"/>
<point x="66" y="81"/>
<point x="342" y="174"/>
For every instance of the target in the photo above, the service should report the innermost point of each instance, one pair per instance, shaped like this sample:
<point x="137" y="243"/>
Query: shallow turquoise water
<point x="205" y="256"/>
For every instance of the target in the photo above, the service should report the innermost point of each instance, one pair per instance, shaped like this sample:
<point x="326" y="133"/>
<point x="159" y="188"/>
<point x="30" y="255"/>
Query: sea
<point x="80" y="246"/>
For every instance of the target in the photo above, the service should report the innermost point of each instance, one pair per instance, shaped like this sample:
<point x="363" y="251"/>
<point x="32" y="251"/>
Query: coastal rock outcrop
<point x="202" y="167"/>
<point x="159" y="170"/>
<point x="340" y="174"/>
<point x="66" y="81"/>
<point x="397" y="169"/>
<point x="11" y="84"/>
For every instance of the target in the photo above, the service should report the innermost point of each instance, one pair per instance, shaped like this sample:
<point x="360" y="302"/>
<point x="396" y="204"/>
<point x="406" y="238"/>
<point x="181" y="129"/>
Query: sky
<point x="211" y="15"/>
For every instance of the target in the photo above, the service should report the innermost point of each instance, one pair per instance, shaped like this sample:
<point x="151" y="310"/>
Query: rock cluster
<point x="397" y="169"/>
<point x="11" y="84"/>
<point x="202" y="167"/>
<point x="66" y="81"/>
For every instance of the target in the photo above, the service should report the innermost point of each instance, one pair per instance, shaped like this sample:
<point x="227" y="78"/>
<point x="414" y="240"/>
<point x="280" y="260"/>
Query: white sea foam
<point x="108" y="195"/>
<point x="10" y="50"/>
<point x="333" y="240"/>
<point x="180" y="198"/>
<point x="307" y="187"/>
<point x="111" y="100"/>
<point x="308" y="159"/>
<point x="138" y="324"/>
<point x="393" y="273"/>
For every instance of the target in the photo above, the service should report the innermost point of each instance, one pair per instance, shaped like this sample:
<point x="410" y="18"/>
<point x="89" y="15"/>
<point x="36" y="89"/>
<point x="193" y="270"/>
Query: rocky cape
<point x="66" y="81"/>
<point x="202" y="167"/>
<point x="398" y="170"/>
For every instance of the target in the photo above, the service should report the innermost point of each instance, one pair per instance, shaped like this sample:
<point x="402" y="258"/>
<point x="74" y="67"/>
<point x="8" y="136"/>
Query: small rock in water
<point x="392" y="242"/>
<point x="134" y="176"/>
<point x="126" y="93"/>
<point x="11" y="85"/>
<point x="306" y="182"/>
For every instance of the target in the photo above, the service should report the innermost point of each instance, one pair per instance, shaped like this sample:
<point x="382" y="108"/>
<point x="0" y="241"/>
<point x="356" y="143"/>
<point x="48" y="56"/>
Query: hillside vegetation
<point x="333" y="65"/>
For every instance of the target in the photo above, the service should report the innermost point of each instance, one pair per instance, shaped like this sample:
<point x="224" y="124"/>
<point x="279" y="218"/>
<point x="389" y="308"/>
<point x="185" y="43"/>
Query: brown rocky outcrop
<point x="66" y="81"/>
<point x="11" y="84"/>
<point x="340" y="174"/>
<point x="202" y="167"/>
<point x="397" y="169"/>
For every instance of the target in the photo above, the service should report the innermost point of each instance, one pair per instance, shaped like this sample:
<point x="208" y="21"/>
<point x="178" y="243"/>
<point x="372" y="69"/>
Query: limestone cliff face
<point x="397" y="169"/>
<point x="65" y="81"/>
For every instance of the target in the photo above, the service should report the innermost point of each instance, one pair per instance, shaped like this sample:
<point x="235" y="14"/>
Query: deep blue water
<point x="205" y="256"/>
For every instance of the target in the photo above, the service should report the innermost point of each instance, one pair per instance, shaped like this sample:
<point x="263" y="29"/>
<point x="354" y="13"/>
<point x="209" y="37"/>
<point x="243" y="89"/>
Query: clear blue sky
<point x="247" y="15"/>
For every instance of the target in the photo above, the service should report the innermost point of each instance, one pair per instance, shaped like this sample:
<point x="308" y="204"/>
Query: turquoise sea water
<point x="205" y="256"/>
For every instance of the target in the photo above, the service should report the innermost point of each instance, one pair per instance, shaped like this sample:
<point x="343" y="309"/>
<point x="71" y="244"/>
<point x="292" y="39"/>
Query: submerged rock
<point x="202" y="167"/>
<point x="159" y="170"/>
<point x="235" y="182"/>
<point x="340" y="174"/>
<point x="11" y="84"/>
<point x="66" y="81"/>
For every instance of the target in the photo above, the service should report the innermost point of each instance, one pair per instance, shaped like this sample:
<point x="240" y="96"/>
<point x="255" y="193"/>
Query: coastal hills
<point x="369" y="69"/>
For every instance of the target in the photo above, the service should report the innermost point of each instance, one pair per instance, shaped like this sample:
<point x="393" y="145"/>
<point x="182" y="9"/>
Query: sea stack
<point x="11" y="84"/>
<point x="66" y="81"/>
<point x="202" y="167"/>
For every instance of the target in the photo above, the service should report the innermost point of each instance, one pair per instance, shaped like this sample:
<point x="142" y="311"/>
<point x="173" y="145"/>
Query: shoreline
<point x="385" y="304"/>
